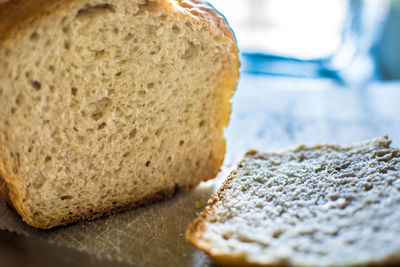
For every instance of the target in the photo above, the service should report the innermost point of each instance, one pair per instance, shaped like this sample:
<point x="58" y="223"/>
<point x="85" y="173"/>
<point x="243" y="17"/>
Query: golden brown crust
<point x="197" y="227"/>
<point x="14" y="14"/>
<point x="8" y="191"/>
<point x="206" y="12"/>
<point x="17" y="13"/>
<point x="4" y="192"/>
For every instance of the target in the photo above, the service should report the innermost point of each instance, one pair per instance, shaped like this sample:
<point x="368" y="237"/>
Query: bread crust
<point x="16" y="15"/>
<point x="8" y="189"/>
<point x="196" y="228"/>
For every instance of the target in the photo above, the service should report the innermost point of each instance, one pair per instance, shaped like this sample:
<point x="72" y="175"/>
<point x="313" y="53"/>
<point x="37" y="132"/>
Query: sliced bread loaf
<point x="313" y="206"/>
<point x="108" y="104"/>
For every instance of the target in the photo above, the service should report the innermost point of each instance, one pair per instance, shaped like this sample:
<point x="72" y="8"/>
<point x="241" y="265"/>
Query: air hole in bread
<point x="74" y="90"/>
<point x="128" y="37"/>
<point x="176" y="29"/>
<point x="92" y="10"/>
<point x="47" y="159"/>
<point x="190" y="52"/>
<point x="99" y="54"/>
<point x="36" y="85"/>
<point x="34" y="36"/>
<point x="277" y="233"/>
<point x="99" y="108"/>
<point x="227" y="235"/>
<point x="65" y="29"/>
<point x="67" y="45"/>
<point x="181" y="143"/>
<point x="65" y="197"/>
<point x="147" y="6"/>
<point x="102" y="125"/>
<point x="132" y="134"/>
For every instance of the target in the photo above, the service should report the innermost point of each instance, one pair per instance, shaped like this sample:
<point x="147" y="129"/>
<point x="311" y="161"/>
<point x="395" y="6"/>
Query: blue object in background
<point x="351" y="41"/>
<point x="387" y="51"/>
<point x="259" y="63"/>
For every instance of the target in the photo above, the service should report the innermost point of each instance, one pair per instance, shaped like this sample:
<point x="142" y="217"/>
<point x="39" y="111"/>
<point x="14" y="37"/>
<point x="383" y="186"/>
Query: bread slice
<point x="109" y="104"/>
<point x="325" y="205"/>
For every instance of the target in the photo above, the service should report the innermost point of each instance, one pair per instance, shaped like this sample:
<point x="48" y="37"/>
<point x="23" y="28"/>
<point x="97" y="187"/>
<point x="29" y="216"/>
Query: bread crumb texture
<point x="110" y="104"/>
<point x="312" y="206"/>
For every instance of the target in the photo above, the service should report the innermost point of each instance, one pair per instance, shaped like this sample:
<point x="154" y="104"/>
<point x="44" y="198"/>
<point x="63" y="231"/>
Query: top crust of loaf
<point x="17" y="15"/>
<point x="378" y="172"/>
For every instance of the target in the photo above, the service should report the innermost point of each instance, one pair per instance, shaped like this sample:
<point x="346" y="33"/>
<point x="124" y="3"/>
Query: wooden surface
<point x="270" y="114"/>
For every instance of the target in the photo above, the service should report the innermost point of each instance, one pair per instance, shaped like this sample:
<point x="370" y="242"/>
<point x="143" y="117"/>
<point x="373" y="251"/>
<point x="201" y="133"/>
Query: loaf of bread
<point x="109" y="104"/>
<point x="313" y="206"/>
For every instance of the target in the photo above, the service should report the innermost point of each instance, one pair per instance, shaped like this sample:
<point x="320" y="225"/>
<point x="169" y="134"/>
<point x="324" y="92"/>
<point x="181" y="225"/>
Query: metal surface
<point x="268" y="114"/>
<point x="18" y="250"/>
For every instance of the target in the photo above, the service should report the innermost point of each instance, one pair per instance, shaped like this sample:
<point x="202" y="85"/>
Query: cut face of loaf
<point x="107" y="104"/>
<point x="312" y="206"/>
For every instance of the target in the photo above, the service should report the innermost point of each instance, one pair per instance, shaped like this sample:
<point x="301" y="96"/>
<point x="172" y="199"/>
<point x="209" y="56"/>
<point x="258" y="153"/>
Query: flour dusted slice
<point x="110" y="104"/>
<point x="325" y="205"/>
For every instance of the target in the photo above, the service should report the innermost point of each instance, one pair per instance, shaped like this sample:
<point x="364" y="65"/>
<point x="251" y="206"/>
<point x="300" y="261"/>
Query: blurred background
<point x="353" y="42"/>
